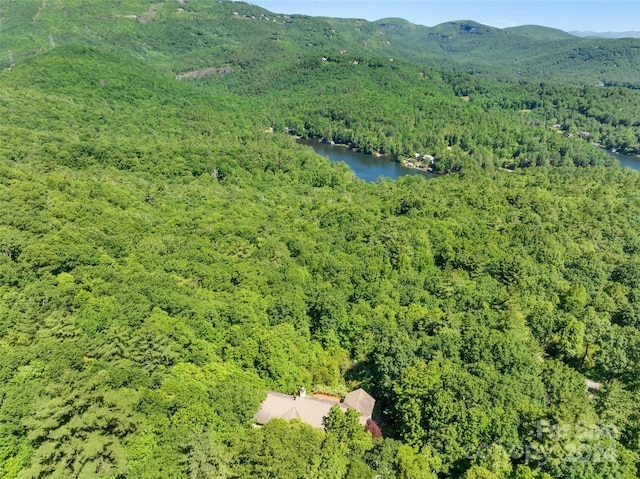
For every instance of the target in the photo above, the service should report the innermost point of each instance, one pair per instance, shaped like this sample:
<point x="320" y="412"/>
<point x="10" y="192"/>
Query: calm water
<point x="632" y="162"/>
<point x="370" y="168"/>
<point x="366" y="167"/>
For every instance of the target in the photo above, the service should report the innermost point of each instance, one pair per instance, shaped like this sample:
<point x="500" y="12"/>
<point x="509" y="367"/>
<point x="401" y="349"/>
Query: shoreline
<point x="324" y="141"/>
<point x="617" y="153"/>
<point x="425" y="163"/>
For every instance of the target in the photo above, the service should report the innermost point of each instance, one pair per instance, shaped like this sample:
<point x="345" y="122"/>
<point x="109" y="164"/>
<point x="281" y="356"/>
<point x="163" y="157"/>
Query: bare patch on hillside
<point x="143" y="18"/>
<point x="207" y="71"/>
<point x="42" y="6"/>
<point x="148" y="16"/>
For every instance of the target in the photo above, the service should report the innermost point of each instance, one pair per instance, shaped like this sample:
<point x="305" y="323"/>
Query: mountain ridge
<point x="225" y="33"/>
<point x="625" y="34"/>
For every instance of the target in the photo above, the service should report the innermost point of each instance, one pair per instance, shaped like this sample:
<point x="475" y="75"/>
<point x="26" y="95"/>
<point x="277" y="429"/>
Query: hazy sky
<point x="594" y="15"/>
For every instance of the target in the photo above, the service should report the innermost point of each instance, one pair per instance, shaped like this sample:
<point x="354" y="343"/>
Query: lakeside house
<point x="312" y="409"/>
<point x="420" y="162"/>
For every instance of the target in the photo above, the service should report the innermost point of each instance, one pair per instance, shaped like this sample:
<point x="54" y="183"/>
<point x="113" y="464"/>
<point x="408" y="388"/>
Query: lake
<point x="632" y="162"/>
<point x="366" y="167"/>
<point x="370" y="168"/>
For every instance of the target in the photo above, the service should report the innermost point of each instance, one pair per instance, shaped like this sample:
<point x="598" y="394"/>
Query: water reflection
<point x="632" y="162"/>
<point x="366" y="167"/>
<point x="370" y="168"/>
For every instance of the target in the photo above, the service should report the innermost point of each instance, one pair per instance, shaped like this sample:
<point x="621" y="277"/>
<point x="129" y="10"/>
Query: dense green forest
<point x="373" y="85"/>
<point x="169" y="252"/>
<point x="195" y="34"/>
<point x="464" y="122"/>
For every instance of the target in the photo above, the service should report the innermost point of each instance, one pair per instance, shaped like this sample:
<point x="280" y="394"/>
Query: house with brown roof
<point x="312" y="409"/>
<point x="361" y="401"/>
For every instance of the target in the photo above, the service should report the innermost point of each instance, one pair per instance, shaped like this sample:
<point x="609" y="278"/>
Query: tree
<point x="345" y="427"/>
<point x="373" y="428"/>
<point x="204" y="458"/>
<point x="279" y="449"/>
<point x="495" y="460"/>
<point x="414" y="463"/>
<point x="79" y="428"/>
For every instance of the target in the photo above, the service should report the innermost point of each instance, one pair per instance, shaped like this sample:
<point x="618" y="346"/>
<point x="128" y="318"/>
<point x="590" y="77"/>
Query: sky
<point x="568" y="15"/>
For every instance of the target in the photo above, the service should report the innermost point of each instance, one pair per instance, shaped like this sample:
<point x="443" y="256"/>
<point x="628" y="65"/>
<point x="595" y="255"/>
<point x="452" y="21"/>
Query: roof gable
<point x="361" y="401"/>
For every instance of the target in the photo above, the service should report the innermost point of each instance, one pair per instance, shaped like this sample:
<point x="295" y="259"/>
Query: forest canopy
<point x="168" y="253"/>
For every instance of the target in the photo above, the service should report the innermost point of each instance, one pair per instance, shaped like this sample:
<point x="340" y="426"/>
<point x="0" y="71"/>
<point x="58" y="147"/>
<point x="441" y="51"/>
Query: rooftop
<point x="312" y="409"/>
<point x="308" y="409"/>
<point x="361" y="401"/>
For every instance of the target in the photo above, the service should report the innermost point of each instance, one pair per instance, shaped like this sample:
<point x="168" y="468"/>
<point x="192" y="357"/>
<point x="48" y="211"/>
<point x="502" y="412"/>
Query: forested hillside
<point x="169" y="252"/>
<point x="183" y="36"/>
<point x="395" y="108"/>
<point x="315" y="72"/>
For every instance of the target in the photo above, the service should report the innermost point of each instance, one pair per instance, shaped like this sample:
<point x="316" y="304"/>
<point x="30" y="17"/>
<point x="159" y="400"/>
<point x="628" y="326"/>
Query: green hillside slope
<point x="197" y="34"/>
<point x="524" y="53"/>
<point x="168" y="253"/>
<point x="261" y="52"/>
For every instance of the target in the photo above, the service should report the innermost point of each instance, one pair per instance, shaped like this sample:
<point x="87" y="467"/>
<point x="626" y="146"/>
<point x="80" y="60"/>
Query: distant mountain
<point x="532" y="52"/>
<point x="628" y="34"/>
<point x="197" y="35"/>
<point x="536" y="32"/>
